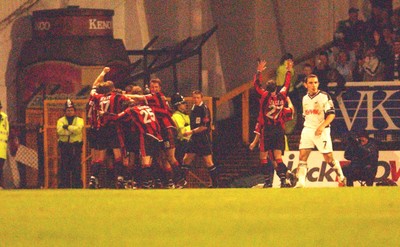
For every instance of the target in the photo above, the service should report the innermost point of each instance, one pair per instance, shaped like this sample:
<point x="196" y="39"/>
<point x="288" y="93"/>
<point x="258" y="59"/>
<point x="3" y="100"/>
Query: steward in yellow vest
<point x="4" y="131"/>
<point x="69" y="131"/>
<point x="182" y="122"/>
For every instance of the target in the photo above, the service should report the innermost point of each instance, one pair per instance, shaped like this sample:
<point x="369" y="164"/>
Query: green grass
<point x="201" y="217"/>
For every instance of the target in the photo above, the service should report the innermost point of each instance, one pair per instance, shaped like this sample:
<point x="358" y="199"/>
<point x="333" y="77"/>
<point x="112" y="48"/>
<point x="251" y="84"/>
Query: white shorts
<point x="323" y="142"/>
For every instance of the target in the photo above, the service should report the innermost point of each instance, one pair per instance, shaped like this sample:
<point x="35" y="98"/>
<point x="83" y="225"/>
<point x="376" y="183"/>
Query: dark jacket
<point x="362" y="155"/>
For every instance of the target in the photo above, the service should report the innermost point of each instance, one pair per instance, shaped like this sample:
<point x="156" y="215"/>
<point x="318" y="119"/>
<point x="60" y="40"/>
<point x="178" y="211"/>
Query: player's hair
<point x="137" y="90"/>
<point x="106" y="87"/>
<point x="129" y="87"/>
<point x="310" y="76"/>
<point x="197" y="92"/>
<point x="156" y="80"/>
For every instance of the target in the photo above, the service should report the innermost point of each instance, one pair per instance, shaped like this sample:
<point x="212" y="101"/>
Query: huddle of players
<point x="135" y="124"/>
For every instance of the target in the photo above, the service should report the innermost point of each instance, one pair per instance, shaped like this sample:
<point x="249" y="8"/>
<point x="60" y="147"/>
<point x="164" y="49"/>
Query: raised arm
<point x="288" y="78"/>
<point x="100" y="78"/>
<point x="261" y="66"/>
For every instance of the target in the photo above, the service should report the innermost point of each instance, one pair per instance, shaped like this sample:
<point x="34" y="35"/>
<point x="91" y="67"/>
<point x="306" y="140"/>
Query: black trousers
<point x="357" y="172"/>
<point x="181" y="148"/>
<point x="69" y="172"/>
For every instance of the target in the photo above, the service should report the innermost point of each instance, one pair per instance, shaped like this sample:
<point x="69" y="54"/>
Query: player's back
<point x="144" y="120"/>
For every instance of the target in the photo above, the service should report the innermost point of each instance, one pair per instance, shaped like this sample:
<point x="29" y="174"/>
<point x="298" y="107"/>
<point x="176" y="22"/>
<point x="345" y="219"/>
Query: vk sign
<point x="373" y="106"/>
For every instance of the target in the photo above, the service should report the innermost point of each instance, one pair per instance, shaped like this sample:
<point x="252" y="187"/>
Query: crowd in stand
<point x="367" y="50"/>
<point x="364" y="50"/>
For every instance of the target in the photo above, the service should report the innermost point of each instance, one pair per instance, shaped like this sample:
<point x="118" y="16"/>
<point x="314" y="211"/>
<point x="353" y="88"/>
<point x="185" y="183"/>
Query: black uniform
<point x="200" y="143"/>
<point x="364" y="161"/>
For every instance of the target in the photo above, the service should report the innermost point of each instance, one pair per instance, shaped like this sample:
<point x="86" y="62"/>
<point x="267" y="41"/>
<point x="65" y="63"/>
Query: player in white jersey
<point x="318" y="112"/>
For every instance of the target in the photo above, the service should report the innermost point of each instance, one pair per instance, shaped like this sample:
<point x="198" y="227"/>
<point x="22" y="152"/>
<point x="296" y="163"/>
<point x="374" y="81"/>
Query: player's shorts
<point x="148" y="146"/>
<point x="92" y="138"/>
<point x="108" y="137"/>
<point x="168" y="135"/>
<point x="200" y="145"/>
<point x="131" y="140"/>
<point x="272" y="138"/>
<point x="323" y="142"/>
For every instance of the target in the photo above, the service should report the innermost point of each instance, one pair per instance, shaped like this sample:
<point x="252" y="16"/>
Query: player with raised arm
<point x="110" y="100"/>
<point x="271" y="119"/>
<point x="318" y="113"/>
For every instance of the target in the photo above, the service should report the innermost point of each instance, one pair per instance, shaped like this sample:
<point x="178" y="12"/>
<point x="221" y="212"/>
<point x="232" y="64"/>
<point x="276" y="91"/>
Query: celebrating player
<point x="109" y="101"/>
<point x="146" y="128"/>
<point x="272" y="118"/>
<point x="157" y="101"/>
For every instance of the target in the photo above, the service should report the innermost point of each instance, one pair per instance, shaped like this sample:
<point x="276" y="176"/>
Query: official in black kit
<point x="200" y="142"/>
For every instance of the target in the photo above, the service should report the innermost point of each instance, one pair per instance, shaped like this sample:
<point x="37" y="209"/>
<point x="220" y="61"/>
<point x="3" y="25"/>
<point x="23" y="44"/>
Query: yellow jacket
<point x="182" y="122"/>
<point x="74" y="131"/>
<point x="4" y="131"/>
<point x="281" y="75"/>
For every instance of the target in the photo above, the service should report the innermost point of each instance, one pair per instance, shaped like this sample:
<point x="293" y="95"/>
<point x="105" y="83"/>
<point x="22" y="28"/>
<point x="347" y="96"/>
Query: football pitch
<point x="360" y="216"/>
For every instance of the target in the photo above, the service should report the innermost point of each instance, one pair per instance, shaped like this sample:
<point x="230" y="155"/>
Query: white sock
<point x="302" y="172"/>
<point x="338" y="169"/>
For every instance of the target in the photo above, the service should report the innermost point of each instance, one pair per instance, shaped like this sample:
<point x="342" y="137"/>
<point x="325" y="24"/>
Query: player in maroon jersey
<point x="93" y="119"/>
<point x="159" y="104"/>
<point x="272" y="119"/>
<point x="109" y="101"/>
<point x="268" y="169"/>
<point x="144" y="124"/>
<point x="131" y="146"/>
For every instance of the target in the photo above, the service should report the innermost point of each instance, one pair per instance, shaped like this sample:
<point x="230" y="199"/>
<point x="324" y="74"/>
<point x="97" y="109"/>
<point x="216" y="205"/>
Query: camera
<point x="353" y="140"/>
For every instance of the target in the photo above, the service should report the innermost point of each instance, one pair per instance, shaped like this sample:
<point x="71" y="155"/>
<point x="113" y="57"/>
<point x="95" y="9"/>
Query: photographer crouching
<point x="363" y="153"/>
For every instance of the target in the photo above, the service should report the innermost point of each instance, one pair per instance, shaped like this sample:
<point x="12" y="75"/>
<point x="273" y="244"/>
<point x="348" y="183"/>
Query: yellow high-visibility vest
<point x="74" y="131"/>
<point x="4" y="131"/>
<point x="182" y="122"/>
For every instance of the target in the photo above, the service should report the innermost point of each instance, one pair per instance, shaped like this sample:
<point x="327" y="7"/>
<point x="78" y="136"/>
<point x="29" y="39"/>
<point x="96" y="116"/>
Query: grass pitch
<point x="201" y="217"/>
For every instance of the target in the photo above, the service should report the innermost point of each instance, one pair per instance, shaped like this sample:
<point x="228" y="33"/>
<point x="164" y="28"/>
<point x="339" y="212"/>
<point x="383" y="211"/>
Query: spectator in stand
<point x="393" y="70"/>
<point x="383" y="4"/>
<point x="364" y="153"/>
<point x="395" y="20"/>
<point x="357" y="50"/>
<point x="382" y="49"/>
<point x="358" y="70"/>
<point x="385" y="19"/>
<point x="373" y="23"/>
<point x="373" y="66"/>
<point x="343" y="65"/>
<point x="321" y="70"/>
<point x="388" y="35"/>
<point x="349" y="30"/>
<point x="334" y="76"/>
